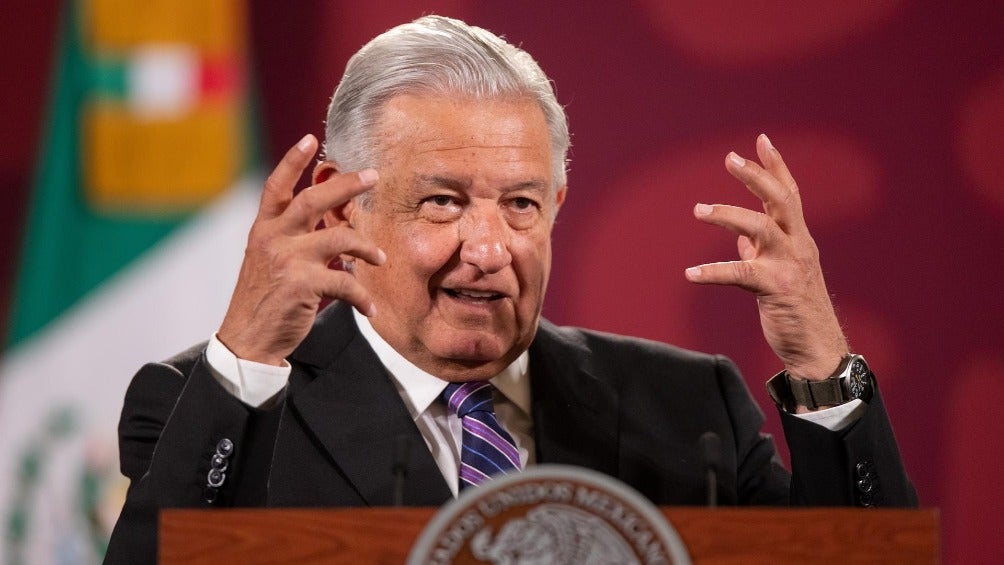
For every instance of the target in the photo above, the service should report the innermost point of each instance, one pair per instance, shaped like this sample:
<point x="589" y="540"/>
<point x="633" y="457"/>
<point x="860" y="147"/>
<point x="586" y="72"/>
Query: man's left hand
<point x="780" y="264"/>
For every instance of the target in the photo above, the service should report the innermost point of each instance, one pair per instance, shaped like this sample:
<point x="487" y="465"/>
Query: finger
<point x="328" y="243"/>
<point x="307" y="208"/>
<point x="747" y="251"/>
<point x="771" y="159"/>
<point x="744" y="274"/>
<point x="279" y="185"/>
<point x="340" y="285"/>
<point x="780" y="202"/>
<point x="757" y="226"/>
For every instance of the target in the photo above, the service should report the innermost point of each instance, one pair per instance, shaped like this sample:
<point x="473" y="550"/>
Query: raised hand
<point x="779" y="263"/>
<point x="285" y="274"/>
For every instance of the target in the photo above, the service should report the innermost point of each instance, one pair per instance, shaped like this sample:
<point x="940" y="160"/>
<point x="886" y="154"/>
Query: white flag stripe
<point x="165" y="301"/>
<point x="163" y="80"/>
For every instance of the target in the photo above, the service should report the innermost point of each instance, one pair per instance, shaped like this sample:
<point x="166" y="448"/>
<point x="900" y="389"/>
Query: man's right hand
<point x="285" y="273"/>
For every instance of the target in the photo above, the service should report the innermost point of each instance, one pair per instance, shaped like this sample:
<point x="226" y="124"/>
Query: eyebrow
<point x="536" y="185"/>
<point x="445" y="182"/>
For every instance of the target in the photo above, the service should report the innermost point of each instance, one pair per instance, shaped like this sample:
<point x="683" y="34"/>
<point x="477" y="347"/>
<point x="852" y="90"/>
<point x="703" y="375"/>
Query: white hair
<point x="439" y="56"/>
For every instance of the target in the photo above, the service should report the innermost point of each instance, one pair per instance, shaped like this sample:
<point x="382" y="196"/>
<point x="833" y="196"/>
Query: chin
<point x="475" y="349"/>
<point x="478" y="357"/>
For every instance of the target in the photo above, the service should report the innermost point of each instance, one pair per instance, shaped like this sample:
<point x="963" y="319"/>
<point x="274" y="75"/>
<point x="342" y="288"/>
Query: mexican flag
<point x="134" y="237"/>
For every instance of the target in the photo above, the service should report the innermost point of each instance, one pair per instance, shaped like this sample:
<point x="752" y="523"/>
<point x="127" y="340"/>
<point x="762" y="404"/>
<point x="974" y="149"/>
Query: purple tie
<point x="486" y="448"/>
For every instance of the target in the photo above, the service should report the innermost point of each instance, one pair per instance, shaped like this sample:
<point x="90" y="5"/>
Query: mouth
<point x="474" y="296"/>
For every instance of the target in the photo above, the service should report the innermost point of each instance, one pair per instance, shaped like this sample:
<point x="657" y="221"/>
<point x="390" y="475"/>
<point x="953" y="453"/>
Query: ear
<point x="559" y="198"/>
<point x="323" y="171"/>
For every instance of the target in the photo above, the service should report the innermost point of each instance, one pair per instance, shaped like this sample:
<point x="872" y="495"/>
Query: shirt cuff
<point x="838" y="417"/>
<point x="251" y="382"/>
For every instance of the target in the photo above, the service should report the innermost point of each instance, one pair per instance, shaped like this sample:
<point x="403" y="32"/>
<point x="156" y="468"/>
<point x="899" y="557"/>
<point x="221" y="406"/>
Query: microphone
<point x="711" y="459"/>
<point x="399" y="467"/>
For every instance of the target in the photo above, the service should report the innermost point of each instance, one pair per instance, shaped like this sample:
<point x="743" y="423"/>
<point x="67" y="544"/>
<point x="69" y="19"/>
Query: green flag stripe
<point x="108" y="78"/>
<point x="68" y="250"/>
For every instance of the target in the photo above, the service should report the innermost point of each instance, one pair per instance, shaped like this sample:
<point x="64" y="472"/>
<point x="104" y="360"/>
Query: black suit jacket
<point x="630" y="408"/>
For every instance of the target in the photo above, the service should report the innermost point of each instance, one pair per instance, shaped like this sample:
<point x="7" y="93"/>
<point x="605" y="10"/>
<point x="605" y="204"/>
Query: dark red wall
<point x="889" y="113"/>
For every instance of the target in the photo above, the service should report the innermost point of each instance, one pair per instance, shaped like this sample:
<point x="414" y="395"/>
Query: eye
<point x="523" y="203"/>
<point x="441" y="208"/>
<point x="522" y="212"/>
<point x="441" y="200"/>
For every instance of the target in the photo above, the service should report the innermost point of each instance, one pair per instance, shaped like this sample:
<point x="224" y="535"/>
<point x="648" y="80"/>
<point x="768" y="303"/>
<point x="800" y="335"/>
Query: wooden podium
<point x="386" y="535"/>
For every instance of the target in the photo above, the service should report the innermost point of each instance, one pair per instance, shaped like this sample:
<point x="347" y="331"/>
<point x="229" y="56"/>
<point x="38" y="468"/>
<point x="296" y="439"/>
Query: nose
<point x="484" y="239"/>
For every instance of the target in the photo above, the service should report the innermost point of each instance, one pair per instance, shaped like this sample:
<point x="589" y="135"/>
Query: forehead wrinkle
<point x="464" y="146"/>
<point x="485" y="155"/>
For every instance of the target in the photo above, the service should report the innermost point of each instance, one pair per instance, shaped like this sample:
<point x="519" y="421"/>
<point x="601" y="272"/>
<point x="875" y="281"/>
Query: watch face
<point x="858" y="378"/>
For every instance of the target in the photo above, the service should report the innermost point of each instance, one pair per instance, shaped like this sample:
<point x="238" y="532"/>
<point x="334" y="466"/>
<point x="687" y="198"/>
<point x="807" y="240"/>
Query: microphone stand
<point x="399" y="468"/>
<point x="711" y="455"/>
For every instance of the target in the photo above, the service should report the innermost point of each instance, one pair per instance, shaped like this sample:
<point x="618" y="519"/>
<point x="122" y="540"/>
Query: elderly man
<point x="443" y="174"/>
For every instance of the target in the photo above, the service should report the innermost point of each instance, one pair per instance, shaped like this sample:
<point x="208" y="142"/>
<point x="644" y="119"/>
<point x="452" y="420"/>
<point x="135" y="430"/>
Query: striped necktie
<point x="486" y="448"/>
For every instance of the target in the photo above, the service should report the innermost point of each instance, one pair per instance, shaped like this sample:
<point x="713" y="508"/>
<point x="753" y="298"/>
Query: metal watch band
<point x="814" y="394"/>
<point x="850" y="381"/>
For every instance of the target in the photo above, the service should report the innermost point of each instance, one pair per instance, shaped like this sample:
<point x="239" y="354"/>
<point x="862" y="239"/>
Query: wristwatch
<point x="851" y="380"/>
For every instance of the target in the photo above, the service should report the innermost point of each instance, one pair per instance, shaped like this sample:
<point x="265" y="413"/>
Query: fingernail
<point x="371" y="311"/>
<point x="305" y="143"/>
<point x="703" y="209"/>
<point x="368" y="176"/>
<point x="381" y="256"/>
<point x="767" y="140"/>
<point x="736" y="159"/>
<point x="693" y="272"/>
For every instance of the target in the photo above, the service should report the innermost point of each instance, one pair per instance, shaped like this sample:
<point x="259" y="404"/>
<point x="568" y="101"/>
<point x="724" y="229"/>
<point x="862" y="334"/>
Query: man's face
<point x="464" y="210"/>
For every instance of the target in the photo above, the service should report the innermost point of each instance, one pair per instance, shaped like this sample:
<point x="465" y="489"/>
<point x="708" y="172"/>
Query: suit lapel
<point x="574" y="413"/>
<point x="349" y="404"/>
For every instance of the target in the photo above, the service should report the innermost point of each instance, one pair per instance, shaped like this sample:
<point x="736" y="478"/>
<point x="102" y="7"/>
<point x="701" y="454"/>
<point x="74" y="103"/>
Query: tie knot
<point x="464" y="398"/>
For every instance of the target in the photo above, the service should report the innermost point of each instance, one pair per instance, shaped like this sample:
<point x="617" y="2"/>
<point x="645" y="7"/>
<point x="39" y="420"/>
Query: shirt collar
<point x="420" y="389"/>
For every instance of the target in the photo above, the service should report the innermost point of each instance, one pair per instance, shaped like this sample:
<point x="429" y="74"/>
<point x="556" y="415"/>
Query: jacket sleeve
<point x="173" y="421"/>
<point x="857" y="466"/>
